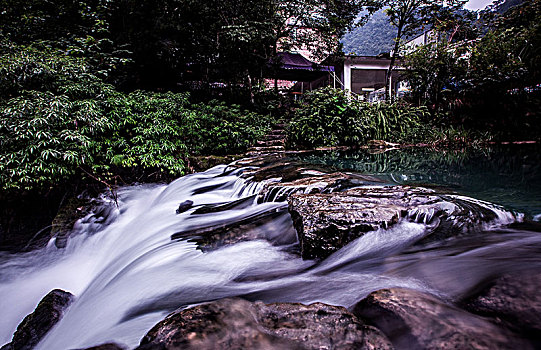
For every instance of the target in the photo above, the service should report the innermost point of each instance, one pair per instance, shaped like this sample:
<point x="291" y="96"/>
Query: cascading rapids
<point x="127" y="275"/>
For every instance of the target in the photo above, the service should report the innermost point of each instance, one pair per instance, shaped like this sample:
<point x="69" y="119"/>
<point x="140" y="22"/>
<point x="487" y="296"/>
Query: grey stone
<point x="239" y="324"/>
<point x="416" y="320"/>
<point x="512" y="300"/>
<point x="186" y="205"/>
<point x="34" y="326"/>
<point x="325" y="222"/>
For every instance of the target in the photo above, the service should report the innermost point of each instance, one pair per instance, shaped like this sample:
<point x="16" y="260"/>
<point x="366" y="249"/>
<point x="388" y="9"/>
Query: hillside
<point x="375" y="37"/>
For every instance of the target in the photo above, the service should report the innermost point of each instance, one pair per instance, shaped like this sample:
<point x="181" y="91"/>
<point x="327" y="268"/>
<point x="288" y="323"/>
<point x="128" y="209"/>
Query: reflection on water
<point x="509" y="175"/>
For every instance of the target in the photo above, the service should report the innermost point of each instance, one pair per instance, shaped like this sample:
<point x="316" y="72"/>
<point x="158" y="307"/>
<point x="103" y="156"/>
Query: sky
<point x="477" y="4"/>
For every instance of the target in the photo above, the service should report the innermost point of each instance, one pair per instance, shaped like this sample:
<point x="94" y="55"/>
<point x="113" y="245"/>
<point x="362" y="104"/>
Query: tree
<point x="79" y="28"/>
<point x="228" y="41"/>
<point x="408" y="16"/>
<point x="434" y="73"/>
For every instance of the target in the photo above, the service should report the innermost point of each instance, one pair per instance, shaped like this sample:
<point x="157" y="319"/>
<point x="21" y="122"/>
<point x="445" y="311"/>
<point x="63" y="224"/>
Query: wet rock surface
<point x="314" y="181"/>
<point x="34" y="326"/>
<point x="331" y="209"/>
<point x="325" y="222"/>
<point x="512" y="300"/>
<point x="416" y="320"/>
<point x="260" y="225"/>
<point x="86" y="209"/>
<point x="239" y="324"/>
<point x="184" y="206"/>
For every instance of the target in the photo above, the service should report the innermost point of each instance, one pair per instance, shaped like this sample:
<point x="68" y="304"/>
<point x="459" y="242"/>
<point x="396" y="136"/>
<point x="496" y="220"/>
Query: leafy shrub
<point x="216" y="128"/>
<point x="58" y="122"/>
<point x="43" y="139"/>
<point x="145" y="131"/>
<point x="328" y="117"/>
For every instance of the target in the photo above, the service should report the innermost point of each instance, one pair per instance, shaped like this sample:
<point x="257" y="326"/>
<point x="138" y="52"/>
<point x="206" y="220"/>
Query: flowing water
<point x="127" y="272"/>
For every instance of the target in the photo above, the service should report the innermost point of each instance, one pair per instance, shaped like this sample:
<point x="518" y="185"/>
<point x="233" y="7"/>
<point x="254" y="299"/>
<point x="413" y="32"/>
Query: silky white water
<point x="127" y="273"/>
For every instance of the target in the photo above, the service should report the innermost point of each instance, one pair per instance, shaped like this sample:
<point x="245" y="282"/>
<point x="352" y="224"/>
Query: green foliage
<point x="396" y="122"/>
<point x="489" y="82"/>
<point x="459" y="136"/>
<point x="328" y="117"/>
<point x="59" y="121"/>
<point x="78" y="28"/>
<point x="145" y="132"/>
<point x="216" y="128"/>
<point x="30" y="68"/>
<point x="41" y="140"/>
<point x="432" y="73"/>
<point x="223" y="41"/>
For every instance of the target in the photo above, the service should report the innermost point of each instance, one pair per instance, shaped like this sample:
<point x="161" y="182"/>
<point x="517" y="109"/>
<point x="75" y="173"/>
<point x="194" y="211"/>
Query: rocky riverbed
<point x="330" y="210"/>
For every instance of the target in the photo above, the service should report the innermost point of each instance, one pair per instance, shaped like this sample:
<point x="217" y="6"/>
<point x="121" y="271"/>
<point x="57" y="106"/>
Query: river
<point x="127" y="273"/>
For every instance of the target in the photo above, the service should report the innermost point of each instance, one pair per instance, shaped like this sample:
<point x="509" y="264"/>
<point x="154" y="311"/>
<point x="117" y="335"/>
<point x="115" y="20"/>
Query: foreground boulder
<point x="512" y="300"/>
<point x="34" y="326"/>
<point x="239" y="324"/>
<point x="325" y="222"/>
<point x="416" y="320"/>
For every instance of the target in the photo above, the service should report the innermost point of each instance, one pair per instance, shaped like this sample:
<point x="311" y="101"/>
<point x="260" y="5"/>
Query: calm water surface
<point x="509" y="175"/>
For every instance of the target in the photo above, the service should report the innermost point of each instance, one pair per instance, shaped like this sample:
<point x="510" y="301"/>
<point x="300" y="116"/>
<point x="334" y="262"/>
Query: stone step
<point x="278" y="132"/>
<point x="267" y="148"/>
<point x="275" y="142"/>
<point x="262" y="153"/>
<point x="274" y="137"/>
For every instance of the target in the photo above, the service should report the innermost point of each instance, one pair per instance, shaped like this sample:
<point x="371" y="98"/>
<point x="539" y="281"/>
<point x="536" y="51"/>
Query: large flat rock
<point x="325" y="222"/>
<point x="239" y="324"/>
<point x="416" y="320"/>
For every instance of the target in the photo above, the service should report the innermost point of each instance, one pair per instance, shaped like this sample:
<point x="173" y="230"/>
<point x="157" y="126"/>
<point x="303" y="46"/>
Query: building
<point x="365" y="76"/>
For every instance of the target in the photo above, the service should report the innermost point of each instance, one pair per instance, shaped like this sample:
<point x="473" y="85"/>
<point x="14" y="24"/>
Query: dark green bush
<point x="60" y="122"/>
<point x="328" y="117"/>
<point x="217" y="128"/>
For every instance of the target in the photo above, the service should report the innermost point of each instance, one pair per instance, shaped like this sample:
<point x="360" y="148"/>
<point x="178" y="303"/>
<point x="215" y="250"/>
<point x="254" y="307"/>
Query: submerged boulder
<point x="239" y="324"/>
<point x="184" y="206"/>
<point x="512" y="300"/>
<point x="83" y="213"/>
<point x="34" y="326"/>
<point x="416" y="320"/>
<point x="256" y="225"/>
